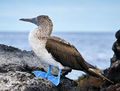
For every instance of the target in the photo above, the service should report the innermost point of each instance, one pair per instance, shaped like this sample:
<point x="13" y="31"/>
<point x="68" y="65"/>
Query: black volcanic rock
<point x="117" y="35"/>
<point x="113" y="72"/>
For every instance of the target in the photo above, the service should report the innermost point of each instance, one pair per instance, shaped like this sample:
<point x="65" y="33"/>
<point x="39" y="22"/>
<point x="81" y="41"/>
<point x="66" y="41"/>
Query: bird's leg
<point x="59" y="74"/>
<point x="54" y="79"/>
<point x="49" y="71"/>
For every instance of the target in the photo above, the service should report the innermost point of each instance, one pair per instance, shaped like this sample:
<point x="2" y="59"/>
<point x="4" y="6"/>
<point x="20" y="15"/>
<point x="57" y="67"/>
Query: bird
<point x="55" y="51"/>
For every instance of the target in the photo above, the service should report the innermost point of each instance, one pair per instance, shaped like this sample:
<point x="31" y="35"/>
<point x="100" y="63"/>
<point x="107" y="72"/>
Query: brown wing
<point x="65" y="53"/>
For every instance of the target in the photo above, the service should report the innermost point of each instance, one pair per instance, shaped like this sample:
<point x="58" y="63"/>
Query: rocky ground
<point x="16" y="67"/>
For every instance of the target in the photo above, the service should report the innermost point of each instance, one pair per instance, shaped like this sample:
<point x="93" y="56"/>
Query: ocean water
<point x="96" y="48"/>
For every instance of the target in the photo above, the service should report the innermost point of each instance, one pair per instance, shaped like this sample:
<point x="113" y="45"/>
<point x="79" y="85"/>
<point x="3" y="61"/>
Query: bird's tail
<point x="97" y="72"/>
<point x="90" y="69"/>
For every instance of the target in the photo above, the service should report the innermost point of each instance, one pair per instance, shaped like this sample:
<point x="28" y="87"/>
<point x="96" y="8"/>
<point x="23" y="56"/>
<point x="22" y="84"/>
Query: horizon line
<point x="98" y="31"/>
<point x="63" y="31"/>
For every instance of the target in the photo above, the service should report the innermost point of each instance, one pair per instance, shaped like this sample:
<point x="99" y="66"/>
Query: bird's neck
<point x="42" y="31"/>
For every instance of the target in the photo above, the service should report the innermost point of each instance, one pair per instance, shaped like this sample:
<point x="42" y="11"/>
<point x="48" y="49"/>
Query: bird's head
<point x="42" y="20"/>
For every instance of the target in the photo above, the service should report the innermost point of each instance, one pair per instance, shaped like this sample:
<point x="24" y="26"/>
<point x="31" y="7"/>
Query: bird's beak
<point x="28" y="20"/>
<point x="32" y="20"/>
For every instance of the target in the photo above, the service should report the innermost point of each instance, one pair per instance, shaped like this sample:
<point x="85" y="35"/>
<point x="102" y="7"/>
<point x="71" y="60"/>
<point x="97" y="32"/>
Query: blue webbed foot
<point x="55" y="80"/>
<point x="40" y="74"/>
<point x="43" y="74"/>
<point x="48" y="74"/>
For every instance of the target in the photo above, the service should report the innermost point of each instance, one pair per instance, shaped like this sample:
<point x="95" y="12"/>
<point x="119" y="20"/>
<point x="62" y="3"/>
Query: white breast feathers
<point x="38" y="46"/>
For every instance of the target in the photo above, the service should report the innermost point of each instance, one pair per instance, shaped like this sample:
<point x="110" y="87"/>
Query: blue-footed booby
<point x="55" y="51"/>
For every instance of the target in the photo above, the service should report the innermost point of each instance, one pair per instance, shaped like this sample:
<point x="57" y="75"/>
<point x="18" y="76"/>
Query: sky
<point x="67" y="15"/>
